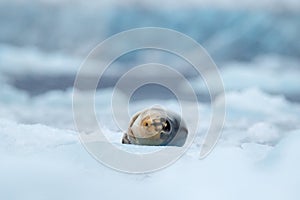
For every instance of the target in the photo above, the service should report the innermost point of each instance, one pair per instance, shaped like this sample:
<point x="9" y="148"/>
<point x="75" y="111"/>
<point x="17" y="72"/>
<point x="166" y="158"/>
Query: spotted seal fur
<point x="156" y="127"/>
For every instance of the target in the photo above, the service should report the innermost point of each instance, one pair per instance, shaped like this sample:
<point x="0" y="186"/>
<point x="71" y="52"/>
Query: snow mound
<point x="263" y="133"/>
<point x="32" y="138"/>
<point x="58" y="167"/>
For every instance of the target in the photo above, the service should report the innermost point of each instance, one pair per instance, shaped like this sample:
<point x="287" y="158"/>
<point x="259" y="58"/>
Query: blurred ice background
<point x="256" y="46"/>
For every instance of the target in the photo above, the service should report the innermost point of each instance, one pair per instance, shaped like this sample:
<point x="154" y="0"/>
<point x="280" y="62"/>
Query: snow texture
<point x="255" y="44"/>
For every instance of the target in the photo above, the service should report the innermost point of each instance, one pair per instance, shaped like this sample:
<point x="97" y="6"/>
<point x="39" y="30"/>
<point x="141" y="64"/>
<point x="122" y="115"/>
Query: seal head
<point x="156" y="127"/>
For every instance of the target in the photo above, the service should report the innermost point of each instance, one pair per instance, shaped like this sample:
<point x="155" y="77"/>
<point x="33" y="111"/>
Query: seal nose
<point x="146" y="122"/>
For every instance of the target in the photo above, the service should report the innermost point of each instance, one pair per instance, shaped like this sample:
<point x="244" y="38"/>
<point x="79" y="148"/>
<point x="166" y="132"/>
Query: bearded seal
<point x="156" y="127"/>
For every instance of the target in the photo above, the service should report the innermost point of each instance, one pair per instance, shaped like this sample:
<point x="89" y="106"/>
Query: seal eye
<point x="167" y="126"/>
<point x="145" y="123"/>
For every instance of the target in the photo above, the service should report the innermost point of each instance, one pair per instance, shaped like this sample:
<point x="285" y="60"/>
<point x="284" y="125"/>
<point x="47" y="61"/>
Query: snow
<point x="257" y="156"/>
<point x="273" y="74"/>
<point x="17" y="61"/>
<point x="32" y="138"/>
<point x="263" y="133"/>
<point x="46" y="163"/>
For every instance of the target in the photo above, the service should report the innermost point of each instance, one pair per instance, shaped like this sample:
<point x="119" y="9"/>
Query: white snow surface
<point x="47" y="163"/>
<point x="257" y="156"/>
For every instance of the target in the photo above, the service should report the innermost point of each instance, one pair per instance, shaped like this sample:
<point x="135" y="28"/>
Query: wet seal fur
<point x="156" y="127"/>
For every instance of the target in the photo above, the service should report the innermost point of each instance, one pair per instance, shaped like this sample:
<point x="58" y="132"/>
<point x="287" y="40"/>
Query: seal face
<point x="156" y="127"/>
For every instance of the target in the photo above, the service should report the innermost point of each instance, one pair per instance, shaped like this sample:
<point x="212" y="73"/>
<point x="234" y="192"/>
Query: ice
<point x="256" y="47"/>
<point x="42" y="155"/>
<point x="263" y="133"/>
<point x="254" y="105"/>
<point x="18" y="61"/>
<point x="280" y="77"/>
<point x="32" y="138"/>
<point x="42" y="162"/>
<point x="53" y="108"/>
<point x="225" y="31"/>
<point x="257" y="154"/>
<point x="256" y="117"/>
<point x="272" y="74"/>
<point x="228" y="4"/>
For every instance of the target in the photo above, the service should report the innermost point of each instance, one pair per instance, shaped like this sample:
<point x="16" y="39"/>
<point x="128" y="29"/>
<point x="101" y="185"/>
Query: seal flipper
<point x="125" y="139"/>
